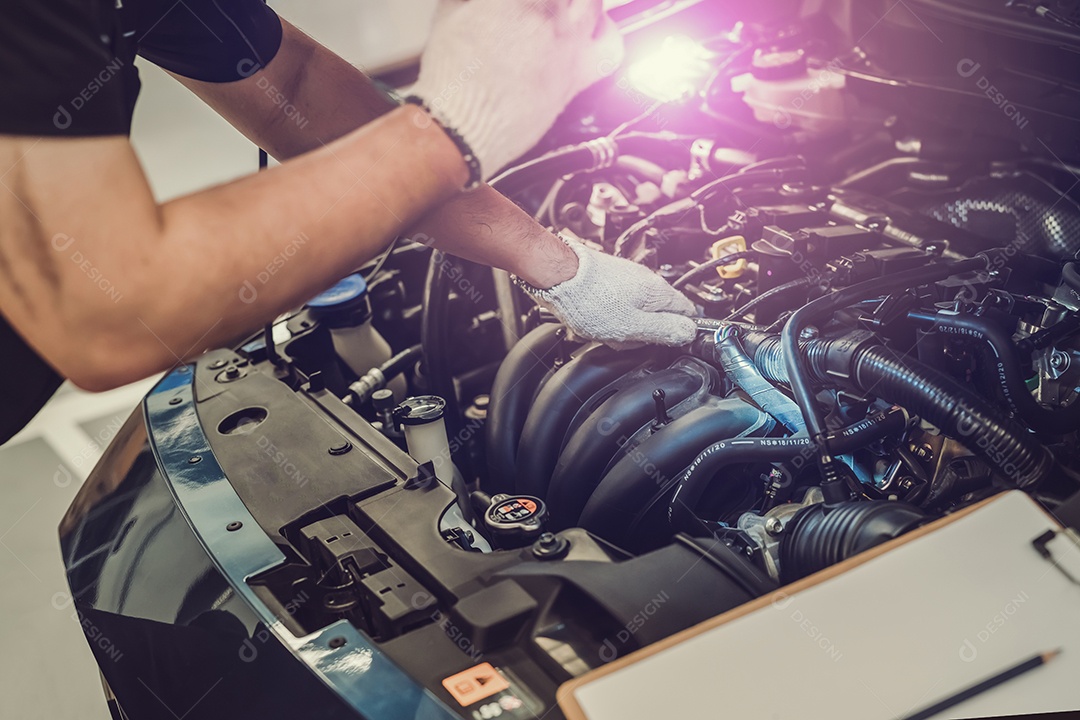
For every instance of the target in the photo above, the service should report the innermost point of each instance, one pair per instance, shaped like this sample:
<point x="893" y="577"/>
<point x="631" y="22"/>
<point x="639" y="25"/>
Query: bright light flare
<point x="676" y="68"/>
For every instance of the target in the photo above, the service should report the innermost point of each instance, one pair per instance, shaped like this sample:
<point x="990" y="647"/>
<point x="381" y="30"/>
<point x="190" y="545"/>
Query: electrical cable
<point x="712" y="265"/>
<point x="381" y="261"/>
<point x="771" y="293"/>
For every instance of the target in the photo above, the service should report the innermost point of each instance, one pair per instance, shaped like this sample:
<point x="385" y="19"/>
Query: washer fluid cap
<point x="345" y="304"/>
<point x="350" y="289"/>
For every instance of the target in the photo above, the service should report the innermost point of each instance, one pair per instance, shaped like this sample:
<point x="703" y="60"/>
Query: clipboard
<point x="874" y="637"/>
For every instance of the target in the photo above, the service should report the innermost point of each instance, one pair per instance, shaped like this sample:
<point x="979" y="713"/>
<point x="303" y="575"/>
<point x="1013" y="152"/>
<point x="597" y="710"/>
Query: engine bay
<point x="883" y="252"/>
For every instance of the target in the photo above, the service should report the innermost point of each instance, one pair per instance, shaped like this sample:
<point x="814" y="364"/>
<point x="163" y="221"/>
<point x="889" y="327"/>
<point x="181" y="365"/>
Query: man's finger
<point x="587" y="14"/>
<point x="670" y="329"/>
<point x="446" y="7"/>
<point x="669" y="300"/>
<point x="607" y="49"/>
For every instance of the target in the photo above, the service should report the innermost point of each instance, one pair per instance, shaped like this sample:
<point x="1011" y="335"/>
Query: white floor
<point x="46" y="670"/>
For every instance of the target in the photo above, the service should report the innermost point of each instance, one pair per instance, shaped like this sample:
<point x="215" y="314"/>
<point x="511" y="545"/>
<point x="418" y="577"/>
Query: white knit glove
<point x="499" y="72"/>
<point x="619" y="303"/>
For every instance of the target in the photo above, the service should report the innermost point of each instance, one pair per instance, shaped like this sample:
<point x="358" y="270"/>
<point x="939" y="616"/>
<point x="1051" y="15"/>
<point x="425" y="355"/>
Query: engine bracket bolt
<point x="774" y="526"/>
<point x="550" y="547"/>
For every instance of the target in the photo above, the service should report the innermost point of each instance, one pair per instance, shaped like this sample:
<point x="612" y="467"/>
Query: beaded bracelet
<point x="476" y="176"/>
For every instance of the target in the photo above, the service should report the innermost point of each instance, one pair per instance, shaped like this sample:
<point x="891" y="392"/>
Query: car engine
<point x="876" y="217"/>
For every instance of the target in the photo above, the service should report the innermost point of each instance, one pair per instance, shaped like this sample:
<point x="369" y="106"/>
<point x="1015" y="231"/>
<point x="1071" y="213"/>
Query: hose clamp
<point x="841" y="353"/>
<point x="604" y="151"/>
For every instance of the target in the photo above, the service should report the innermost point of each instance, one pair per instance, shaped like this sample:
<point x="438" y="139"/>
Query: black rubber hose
<point x="434" y="337"/>
<point x="956" y="411"/>
<point x="401" y="362"/>
<point x="825" y="306"/>
<point x="1006" y="370"/>
<point x="555" y="406"/>
<point x="592" y="446"/>
<point x="699" y="475"/>
<point x="1070" y="275"/>
<point x="512" y="393"/>
<point x="939" y="399"/>
<point x="819" y="536"/>
<point x="652" y="467"/>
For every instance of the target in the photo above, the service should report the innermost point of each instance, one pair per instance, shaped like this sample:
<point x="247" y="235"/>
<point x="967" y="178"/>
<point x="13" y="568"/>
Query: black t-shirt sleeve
<point x="66" y="66"/>
<point x="59" y="74"/>
<point x="210" y="40"/>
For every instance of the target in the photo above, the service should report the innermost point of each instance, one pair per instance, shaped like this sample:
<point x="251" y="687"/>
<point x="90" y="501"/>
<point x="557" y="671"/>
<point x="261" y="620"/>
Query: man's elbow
<point x="101" y="378"/>
<point x="97" y="360"/>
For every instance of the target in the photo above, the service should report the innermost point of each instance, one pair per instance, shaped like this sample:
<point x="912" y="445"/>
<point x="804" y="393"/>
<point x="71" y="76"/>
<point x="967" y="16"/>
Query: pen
<point x="981" y="687"/>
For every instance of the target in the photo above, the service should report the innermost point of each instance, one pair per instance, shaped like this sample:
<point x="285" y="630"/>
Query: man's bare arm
<point x="109" y="286"/>
<point x="308" y="96"/>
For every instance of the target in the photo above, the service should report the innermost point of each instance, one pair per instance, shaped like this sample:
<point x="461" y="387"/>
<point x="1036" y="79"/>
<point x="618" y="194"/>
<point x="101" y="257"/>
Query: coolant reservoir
<point x="346" y="310"/>
<point x="425" y="433"/>
<point x="781" y="89"/>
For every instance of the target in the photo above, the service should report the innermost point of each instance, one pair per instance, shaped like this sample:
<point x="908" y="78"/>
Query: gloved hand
<point x="500" y="71"/>
<point x="619" y="303"/>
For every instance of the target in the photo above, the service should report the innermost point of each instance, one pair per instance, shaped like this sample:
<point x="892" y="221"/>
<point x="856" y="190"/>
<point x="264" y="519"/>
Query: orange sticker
<point x="529" y="505"/>
<point x="475" y="684"/>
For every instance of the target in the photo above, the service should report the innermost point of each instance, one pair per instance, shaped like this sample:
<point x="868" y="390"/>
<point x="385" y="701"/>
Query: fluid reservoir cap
<point x="345" y="304"/>
<point x="350" y="289"/>
<point x="516" y="510"/>
<point x="514" y="520"/>
<point x="420" y="410"/>
<point x="778" y="65"/>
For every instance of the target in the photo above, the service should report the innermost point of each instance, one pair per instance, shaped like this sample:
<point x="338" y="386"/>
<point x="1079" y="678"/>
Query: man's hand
<point x="500" y="71"/>
<point x="619" y="303"/>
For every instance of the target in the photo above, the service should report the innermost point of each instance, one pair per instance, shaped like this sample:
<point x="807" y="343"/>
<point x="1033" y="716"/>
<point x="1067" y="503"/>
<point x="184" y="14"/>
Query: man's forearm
<point x="179" y="270"/>
<point x="305" y="98"/>
<point x="308" y="96"/>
